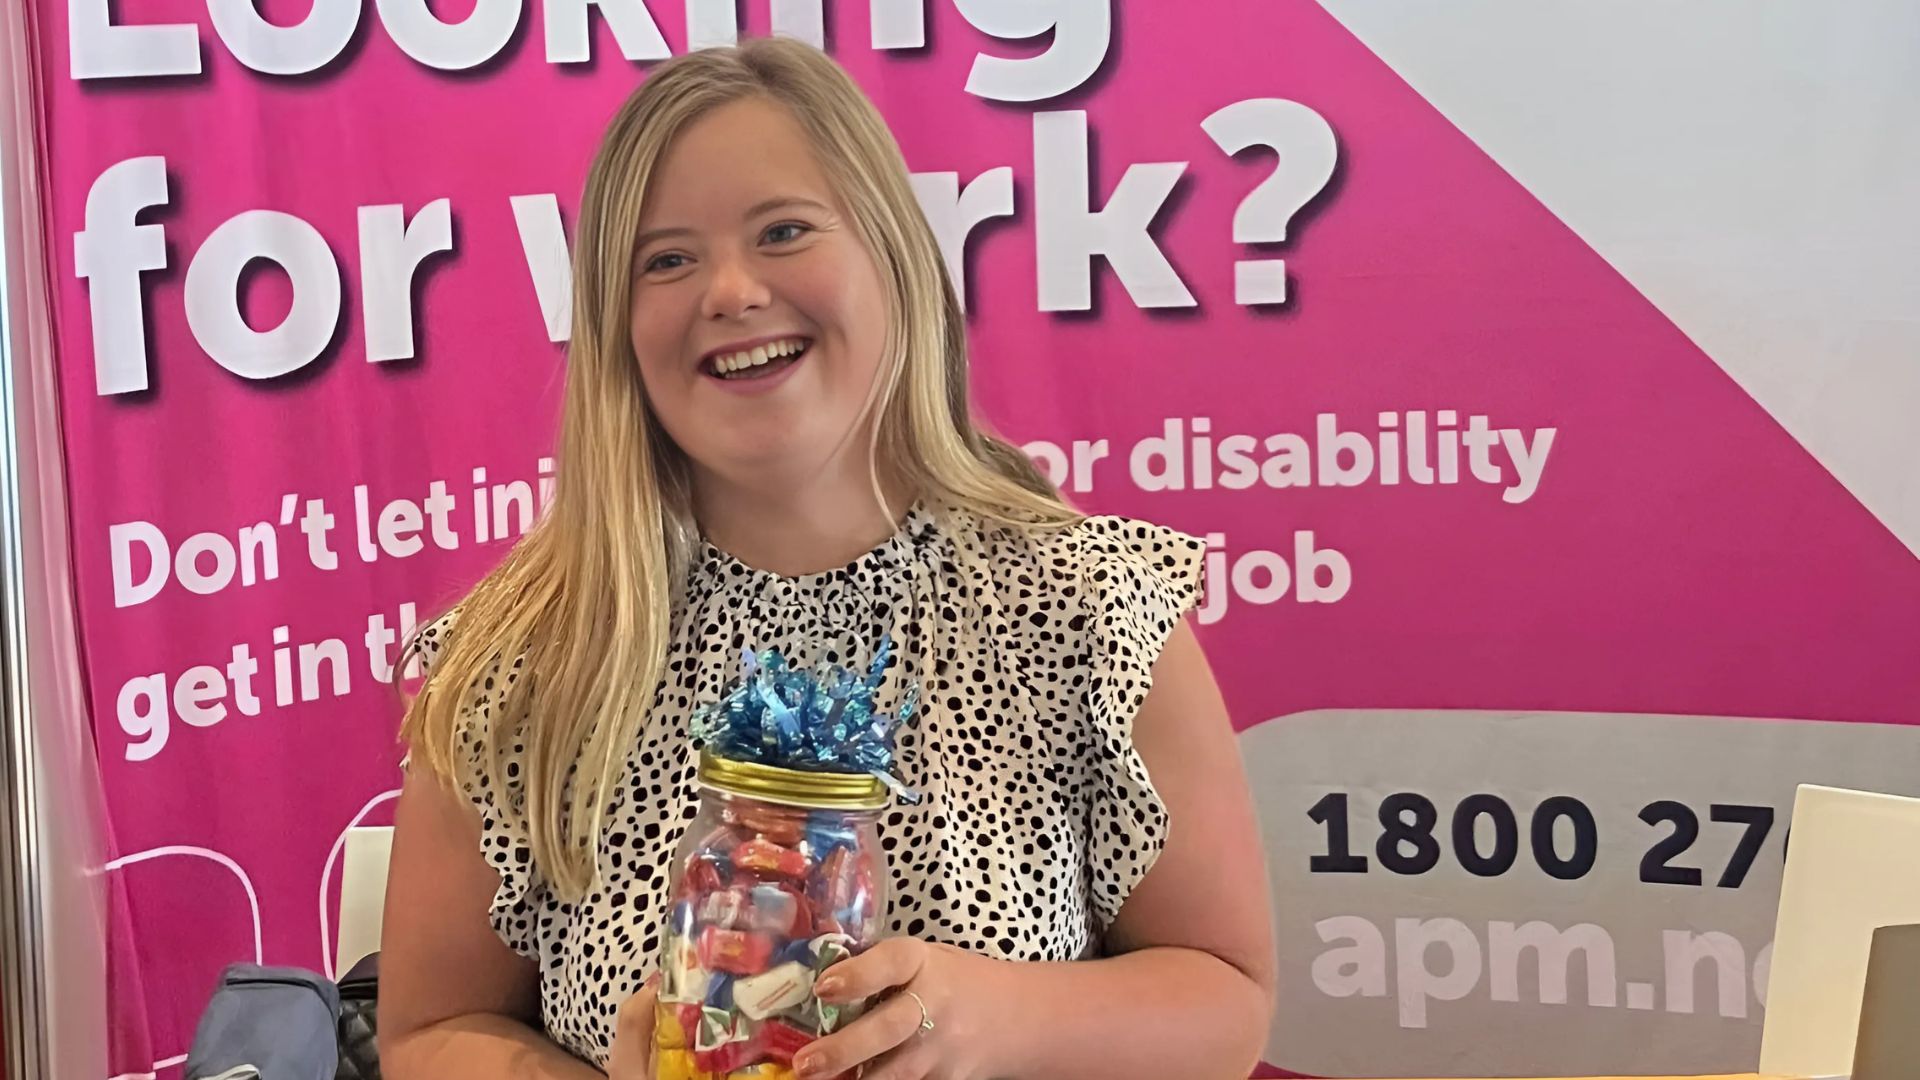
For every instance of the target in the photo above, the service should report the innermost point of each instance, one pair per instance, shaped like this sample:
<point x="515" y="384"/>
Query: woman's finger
<point x="893" y="962"/>
<point x="632" y="1057"/>
<point x="888" y="1025"/>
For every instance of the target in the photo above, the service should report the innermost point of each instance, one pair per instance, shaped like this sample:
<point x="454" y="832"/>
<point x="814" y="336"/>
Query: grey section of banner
<point x="1437" y="958"/>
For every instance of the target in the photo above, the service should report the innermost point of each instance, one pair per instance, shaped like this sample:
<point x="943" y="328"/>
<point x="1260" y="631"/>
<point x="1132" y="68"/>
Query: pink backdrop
<point x="1672" y="550"/>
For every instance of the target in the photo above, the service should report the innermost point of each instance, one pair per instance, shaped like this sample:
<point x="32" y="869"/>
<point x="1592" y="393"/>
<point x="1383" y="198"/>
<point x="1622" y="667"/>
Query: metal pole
<point x="53" y="912"/>
<point x="21" y="977"/>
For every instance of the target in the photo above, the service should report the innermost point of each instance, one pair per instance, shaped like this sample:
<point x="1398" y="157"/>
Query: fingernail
<point x="808" y="1068"/>
<point x="828" y="986"/>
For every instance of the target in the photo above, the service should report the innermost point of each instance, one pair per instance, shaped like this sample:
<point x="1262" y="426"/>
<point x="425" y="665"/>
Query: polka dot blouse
<point x="1038" y="817"/>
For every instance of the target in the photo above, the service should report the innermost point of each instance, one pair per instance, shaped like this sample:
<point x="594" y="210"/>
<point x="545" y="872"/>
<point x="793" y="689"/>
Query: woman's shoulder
<point x="432" y="637"/>
<point x="1093" y="549"/>
<point x="487" y="681"/>
<point x="1101" y="538"/>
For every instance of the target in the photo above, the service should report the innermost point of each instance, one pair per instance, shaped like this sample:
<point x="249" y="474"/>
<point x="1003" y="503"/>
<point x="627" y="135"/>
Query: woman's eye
<point x="666" y="262"/>
<point x="785" y="232"/>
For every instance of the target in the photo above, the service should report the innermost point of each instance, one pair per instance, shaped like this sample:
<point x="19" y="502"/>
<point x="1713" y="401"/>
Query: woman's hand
<point x="967" y="998"/>
<point x="631" y="1057"/>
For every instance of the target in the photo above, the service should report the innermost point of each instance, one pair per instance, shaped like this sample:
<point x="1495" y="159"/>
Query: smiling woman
<point x="746" y="248"/>
<point x="767" y="443"/>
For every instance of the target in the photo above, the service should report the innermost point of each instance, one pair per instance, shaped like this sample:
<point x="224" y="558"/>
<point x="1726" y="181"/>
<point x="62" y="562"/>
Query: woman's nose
<point x="733" y="290"/>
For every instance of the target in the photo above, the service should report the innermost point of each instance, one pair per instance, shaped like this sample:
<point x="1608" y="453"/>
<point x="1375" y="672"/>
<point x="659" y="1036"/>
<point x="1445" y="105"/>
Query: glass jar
<point x="779" y="876"/>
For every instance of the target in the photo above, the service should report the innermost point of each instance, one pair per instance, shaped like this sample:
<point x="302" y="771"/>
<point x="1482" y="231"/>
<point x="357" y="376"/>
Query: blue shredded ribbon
<point x="823" y="720"/>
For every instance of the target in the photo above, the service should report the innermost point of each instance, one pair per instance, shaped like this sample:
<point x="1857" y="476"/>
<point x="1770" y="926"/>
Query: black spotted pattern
<point x="1038" y="817"/>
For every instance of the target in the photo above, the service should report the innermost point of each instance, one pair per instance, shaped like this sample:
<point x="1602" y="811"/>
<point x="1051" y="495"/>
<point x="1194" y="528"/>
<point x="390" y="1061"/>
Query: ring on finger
<point x="926" y="1018"/>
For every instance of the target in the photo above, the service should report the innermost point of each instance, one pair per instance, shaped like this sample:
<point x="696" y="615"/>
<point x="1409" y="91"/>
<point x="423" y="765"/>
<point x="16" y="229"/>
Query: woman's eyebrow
<point x="651" y="235"/>
<point x="784" y="202"/>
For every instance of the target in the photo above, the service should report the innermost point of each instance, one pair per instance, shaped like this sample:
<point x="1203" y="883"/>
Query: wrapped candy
<point x="765" y="1071"/>
<point x="668" y="1032"/>
<point x="783" y="988"/>
<point x="689" y="1016"/>
<point x="774" y="909"/>
<point x="737" y="952"/>
<point x="767" y="857"/>
<point x="724" y="909"/>
<point x="678" y="963"/>
<point x="828" y="950"/>
<point x="696" y="985"/>
<point x="718" y="1028"/>
<point x="780" y="875"/>
<point x="678" y="1065"/>
<point x="712" y="871"/>
<point x="728" y="1057"/>
<point x="799" y="950"/>
<point x="839" y="878"/>
<point x="825" y="832"/>
<point x="777" y="828"/>
<point x="782" y="1041"/>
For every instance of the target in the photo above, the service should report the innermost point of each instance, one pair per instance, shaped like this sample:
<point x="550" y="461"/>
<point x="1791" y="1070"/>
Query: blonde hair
<point x="580" y="606"/>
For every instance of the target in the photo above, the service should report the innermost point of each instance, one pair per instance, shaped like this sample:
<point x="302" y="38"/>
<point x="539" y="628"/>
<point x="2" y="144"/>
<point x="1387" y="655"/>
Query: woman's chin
<point x="767" y="461"/>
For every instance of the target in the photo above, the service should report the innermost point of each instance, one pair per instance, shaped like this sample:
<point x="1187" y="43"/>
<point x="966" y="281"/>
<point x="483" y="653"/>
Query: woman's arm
<point x="454" y="999"/>
<point x="1187" y="990"/>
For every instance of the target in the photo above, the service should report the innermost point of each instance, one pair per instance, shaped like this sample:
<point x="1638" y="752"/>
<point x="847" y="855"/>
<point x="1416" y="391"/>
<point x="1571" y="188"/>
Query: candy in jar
<point x="744" y="948"/>
<point x="781" y="874"/>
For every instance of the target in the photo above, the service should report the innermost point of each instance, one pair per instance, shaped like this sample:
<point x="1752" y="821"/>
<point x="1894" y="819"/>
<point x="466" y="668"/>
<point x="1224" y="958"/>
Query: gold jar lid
<point x="793" y="787"/>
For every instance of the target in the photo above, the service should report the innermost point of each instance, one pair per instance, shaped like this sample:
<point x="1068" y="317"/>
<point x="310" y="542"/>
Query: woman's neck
<point x="793" y="529"/>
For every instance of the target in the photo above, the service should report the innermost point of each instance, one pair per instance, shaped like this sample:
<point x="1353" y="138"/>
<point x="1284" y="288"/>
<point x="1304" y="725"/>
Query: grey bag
<point x="270" y="1024"/>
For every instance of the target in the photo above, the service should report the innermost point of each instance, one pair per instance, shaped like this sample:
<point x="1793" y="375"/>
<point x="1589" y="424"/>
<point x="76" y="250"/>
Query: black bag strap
<point x="362" y="980"/>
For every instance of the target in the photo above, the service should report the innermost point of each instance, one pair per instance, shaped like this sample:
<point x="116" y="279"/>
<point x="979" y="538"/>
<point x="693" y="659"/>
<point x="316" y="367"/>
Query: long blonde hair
<point x="580" y="606"/>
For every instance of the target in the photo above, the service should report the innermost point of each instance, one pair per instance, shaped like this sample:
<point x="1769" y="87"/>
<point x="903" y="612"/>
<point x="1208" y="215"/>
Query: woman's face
<point x="757" y="314"/>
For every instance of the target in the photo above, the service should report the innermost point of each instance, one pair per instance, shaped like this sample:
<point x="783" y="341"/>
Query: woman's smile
<point x="755" y="366"/>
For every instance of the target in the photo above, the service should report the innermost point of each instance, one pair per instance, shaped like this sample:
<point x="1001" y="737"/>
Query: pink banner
<point x="1224" y="268"/>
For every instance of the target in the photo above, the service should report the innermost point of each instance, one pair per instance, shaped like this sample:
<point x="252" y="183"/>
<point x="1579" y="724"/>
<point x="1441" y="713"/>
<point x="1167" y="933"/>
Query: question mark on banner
<point x="1308" y="152"/>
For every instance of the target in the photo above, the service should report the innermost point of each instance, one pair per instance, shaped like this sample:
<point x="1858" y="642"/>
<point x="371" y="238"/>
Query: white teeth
<point x="760" y="354"/>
